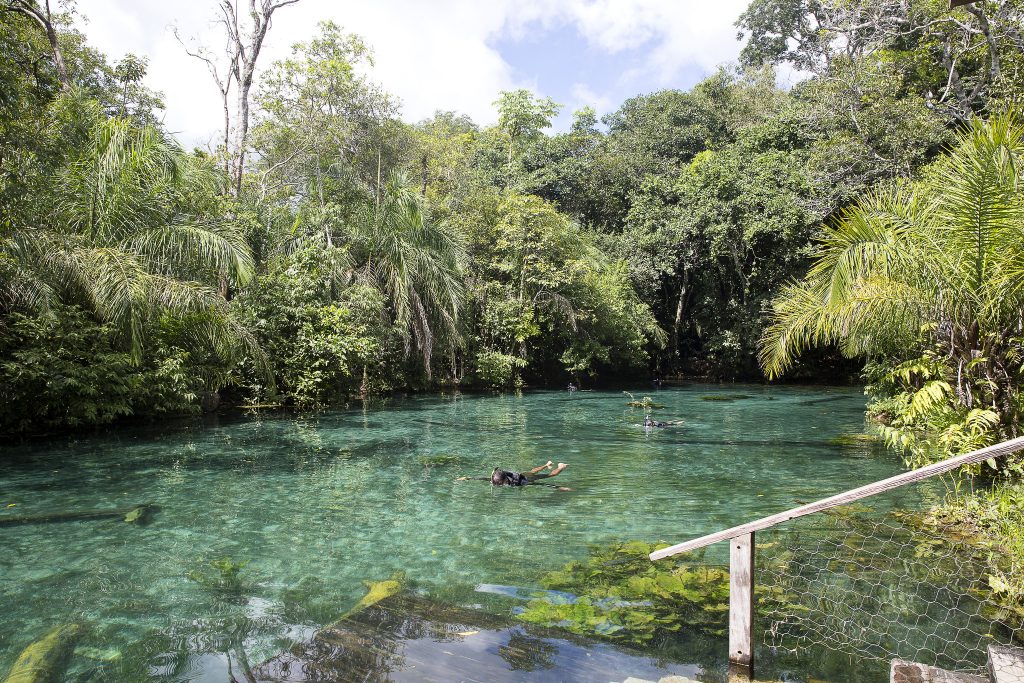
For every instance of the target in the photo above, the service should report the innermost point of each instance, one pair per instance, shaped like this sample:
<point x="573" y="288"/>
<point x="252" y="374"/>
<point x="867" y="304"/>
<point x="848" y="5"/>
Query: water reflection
<point x="317" y="505"/>
<point x="410" y="638"/>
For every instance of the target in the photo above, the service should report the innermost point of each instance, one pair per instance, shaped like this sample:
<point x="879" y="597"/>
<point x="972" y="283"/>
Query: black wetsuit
<point x="500" y="477"/>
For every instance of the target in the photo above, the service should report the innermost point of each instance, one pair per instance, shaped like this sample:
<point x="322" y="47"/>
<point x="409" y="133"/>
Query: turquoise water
<point x="316" y="505"/>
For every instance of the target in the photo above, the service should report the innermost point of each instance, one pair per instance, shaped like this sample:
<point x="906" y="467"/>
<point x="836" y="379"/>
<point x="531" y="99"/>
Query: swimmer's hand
<point x="564" y="488"/>
<point x="462" y="479"/>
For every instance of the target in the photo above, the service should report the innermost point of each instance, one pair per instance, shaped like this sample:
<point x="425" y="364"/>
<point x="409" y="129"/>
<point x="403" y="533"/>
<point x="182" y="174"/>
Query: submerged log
<point x="47" y="659"/>
<point x="136" y="514"/>
<point x="377" y="591"/>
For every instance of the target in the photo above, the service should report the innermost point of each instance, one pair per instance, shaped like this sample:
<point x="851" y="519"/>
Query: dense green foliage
<point x="64" y="369"/>
<point x="924" y="278"/>
<point x="872" y="210"/>
<point x="362" y="254"/>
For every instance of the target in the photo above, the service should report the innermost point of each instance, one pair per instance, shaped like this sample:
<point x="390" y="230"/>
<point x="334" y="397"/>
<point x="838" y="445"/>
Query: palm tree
<point x="936" y="264"/>
<point x="416" y="264"/>
<point x="127" y="230"/>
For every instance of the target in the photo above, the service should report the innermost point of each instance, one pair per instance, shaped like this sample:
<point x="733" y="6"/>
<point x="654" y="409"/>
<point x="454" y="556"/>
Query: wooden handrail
<point x="1000" y="449"/>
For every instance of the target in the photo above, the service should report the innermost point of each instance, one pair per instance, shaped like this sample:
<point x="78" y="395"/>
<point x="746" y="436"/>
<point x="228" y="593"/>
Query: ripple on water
<point x="343" y="497"/>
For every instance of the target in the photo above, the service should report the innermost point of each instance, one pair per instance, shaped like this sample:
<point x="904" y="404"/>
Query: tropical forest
<point x="253" y="389"/>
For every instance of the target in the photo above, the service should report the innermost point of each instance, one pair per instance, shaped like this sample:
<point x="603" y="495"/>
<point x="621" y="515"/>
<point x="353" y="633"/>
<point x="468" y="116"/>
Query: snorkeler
<point x="650" y="423"/>
<point x="500" y="477"/>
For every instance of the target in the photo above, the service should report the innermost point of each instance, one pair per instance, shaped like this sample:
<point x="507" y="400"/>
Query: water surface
<point x="315" y="505"/>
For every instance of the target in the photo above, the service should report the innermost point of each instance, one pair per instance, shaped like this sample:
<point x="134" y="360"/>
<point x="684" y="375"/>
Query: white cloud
<point x="432" y="55"/>
<point x="583" y="96"/>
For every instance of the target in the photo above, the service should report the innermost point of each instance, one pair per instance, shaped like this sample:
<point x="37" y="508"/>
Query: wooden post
<point x="741" y="604"/>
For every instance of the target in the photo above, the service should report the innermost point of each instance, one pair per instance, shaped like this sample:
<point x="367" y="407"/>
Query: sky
<point x="442" y="54"/>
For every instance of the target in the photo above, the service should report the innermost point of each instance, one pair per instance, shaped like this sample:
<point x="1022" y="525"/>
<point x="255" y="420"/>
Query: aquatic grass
<point x="621" y="594"/>
<point x="225" y="577"/>
<point x="646" y="402"/>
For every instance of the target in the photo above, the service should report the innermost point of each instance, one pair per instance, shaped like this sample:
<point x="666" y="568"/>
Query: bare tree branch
<point x="44" y="17"/>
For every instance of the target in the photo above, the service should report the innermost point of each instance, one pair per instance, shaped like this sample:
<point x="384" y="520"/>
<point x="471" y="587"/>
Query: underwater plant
<point x="227" y="578"/>
<point x="646" y="402"/>
<point x="619" y="593"/>
<point x="438" y="460"/>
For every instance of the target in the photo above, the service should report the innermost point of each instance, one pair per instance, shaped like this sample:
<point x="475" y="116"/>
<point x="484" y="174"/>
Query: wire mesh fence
<point x="873" y="582"/>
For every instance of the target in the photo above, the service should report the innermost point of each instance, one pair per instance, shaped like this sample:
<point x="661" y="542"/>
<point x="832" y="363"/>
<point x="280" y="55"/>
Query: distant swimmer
<point x="651" y="423"/>
<point x="500" y="477"/>
<point x="572" y="387"/>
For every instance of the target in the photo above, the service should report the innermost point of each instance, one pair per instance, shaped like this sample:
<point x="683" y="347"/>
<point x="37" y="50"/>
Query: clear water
<point x="316" y="505"/>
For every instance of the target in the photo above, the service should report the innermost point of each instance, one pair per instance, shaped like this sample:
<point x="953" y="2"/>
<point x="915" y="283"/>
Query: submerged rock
<point x="47" y="659"/>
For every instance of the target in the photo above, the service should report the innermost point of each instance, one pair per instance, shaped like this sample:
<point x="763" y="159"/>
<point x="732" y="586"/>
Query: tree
<point x="245" y="33"/>
<point x="324" y="131"/>
<point x="416" y="264"/>
<point x="129" y="232"/>
<point x="522" y="117"/>
<point x="926" y="273"/>
<point x="43" y="16"/>
<point x="544" y="299"/>
<point x="957" y="60"/>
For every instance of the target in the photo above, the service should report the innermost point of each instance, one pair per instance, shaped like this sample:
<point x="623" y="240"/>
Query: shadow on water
<point x="409" y="638"/>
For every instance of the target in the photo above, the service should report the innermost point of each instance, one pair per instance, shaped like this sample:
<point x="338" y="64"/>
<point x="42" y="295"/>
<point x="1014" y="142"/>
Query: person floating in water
<point x="650" y="422"/>
<point x="500" y="477"/>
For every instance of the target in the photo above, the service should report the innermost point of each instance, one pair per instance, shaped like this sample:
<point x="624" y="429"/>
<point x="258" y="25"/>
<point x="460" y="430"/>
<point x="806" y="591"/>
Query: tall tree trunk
<point x="246" y="51"/>
<point x="684" y="295"/>
<point x="227" y="132"/>
<point x="43" y="16"/>
<point x="377" y="197"/>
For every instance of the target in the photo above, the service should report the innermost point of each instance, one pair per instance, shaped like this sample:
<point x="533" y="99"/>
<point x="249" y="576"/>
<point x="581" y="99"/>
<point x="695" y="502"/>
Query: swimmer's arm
<point x="473" y="479"/>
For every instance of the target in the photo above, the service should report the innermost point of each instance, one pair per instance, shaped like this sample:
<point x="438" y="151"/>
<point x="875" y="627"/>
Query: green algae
<point x="47" y="659"/>
<point x="618" y="593"/>
<point x="225" y="577"/>
<point x="377" y="591"/>
<point x="646" y="402"/>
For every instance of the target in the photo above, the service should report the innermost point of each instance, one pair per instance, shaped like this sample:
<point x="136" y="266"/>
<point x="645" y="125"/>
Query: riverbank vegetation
<point x="330" y="250"/>
<point x="327" y="249"/>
